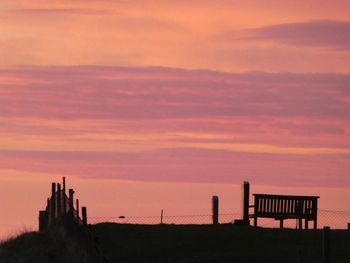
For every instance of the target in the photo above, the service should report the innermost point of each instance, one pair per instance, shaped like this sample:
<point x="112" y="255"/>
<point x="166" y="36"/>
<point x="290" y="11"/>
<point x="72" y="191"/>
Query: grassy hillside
<point x="223" y="243"/>
<point x="66" y="242"/>
<point x="122" y="243"/>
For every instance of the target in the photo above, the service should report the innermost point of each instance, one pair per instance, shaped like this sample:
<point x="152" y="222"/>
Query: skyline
<point x="178" y="95"/>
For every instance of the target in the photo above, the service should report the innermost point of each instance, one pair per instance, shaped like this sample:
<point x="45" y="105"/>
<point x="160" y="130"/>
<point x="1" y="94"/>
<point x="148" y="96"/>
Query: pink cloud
<point x="156" y="93"/>
<point x="176" y="125"/>
<point x="187" y="165"/>
<point x="331" y="34"/>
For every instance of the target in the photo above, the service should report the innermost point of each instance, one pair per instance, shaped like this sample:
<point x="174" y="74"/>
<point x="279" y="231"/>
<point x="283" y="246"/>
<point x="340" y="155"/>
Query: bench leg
<point x="306" y="224"/>
<point x="300" y="223"/>
<point x="315" y="223"/>
<point x="255" y="221"/>
<point x="281" y="223"/>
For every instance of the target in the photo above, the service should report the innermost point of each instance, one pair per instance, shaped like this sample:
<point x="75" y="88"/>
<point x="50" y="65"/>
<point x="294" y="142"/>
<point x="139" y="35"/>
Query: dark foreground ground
<point x="68" y="242"/>
<point x="223" y="243"/>
<point x="65" y="242"/>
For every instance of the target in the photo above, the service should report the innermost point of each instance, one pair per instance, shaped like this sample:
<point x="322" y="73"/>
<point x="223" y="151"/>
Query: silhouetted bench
<point x="281" y="207"/>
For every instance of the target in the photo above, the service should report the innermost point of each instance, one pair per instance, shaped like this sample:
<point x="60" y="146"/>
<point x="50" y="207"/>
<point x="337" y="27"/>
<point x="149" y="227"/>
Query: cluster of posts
<point x="60" y="205"/>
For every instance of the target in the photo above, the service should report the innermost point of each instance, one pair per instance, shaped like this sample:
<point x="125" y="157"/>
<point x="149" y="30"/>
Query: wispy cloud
<point x="330" y="34"/>
<point x="55" y="11"/>
<point x="155" y="93"/>
<point x="186" y="165"/>
<point x="175" y="125"/>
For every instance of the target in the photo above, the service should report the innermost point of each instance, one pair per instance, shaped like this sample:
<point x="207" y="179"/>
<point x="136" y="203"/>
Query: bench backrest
<point x="284" y="206"/>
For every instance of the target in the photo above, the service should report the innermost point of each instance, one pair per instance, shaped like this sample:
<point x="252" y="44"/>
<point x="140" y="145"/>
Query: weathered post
<point x="84" y="215"/>
<point x="64" y="196"/>
<point x="161" y="217"/>
<point x="315" y="207"/>
<point x="59" y="198"/>
<point x="77" y="206"/>
<point x="349" y="226"/>
<point x="71" y="201"/>
<point x="48" y="205"/>
<point x="326" y="245"/>
<point x="245" y="202"/>
<point x="42" y="220"/>
<point x="215" y="210"/>
<point x="53" y="203"/>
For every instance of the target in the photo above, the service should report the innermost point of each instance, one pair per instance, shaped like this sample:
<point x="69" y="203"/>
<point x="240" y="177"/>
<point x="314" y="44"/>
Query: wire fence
<point x="333" y="218"/>
<point x="198" y="219"/>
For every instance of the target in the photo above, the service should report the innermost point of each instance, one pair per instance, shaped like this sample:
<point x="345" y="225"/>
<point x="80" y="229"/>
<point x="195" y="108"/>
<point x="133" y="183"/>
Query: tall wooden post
<point x="42" y="220"/>
<point x="84" y="215"/>
<point x="161" y="217"/>
<point x="64" y="196"/>
<point x="326" y="245"/>
<point x="48" y="205"/>
<point x="53" y="203"/>
<point x="59" y="198"/>
<point x="71" y="200"/>
<point x="245" y="202"/>
<point x="77" y="207"/>
<point x="316" y="207"/>
<point x="215" y="210"/>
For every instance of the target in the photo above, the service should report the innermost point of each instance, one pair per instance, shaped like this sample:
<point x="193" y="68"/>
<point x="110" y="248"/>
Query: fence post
<point x="215" y="209"/>
<point x="348" y="226"/>
<point x="48" y="205"/>
<point x="53" y="203"/>
<point x="84" y="214"/>
<point x="245" y="202"/>
<point x="71" y="200"/>
<point x="77" y="204"/>
<point x="42" y="220"/>
<point x="161" y="217"/>
<point x="315" y="219"/>
<point x="64" y="196"/>
<point x="59" y="198"/>
<point x="326" y="245"/>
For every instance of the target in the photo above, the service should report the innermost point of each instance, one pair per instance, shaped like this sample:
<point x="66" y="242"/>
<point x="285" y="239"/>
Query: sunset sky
<point x="145" y="105"/>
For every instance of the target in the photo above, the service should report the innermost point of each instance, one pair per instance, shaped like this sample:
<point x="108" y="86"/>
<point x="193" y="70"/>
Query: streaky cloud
<point x="329" y="34"/>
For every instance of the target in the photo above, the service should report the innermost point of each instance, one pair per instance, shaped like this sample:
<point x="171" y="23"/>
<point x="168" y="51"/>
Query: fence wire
<point x="199" y="219"/>
<point x="334" y="219"/>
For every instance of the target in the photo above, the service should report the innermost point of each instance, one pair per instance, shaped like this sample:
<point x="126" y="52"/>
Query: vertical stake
<point x="71" y="201"/>
<point x="84" y="215"/>
<point x="64" y="196"/>
<point x="245" y="202"/>
<point x="215" y="209"/>
<point x="161" y="217"/>
<point x="77" y="207"/>
<point x="42" y="220"/>
<point x="59" y="198"/>
<point x="326" y="244"/>
<point x="53" y="203"/>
